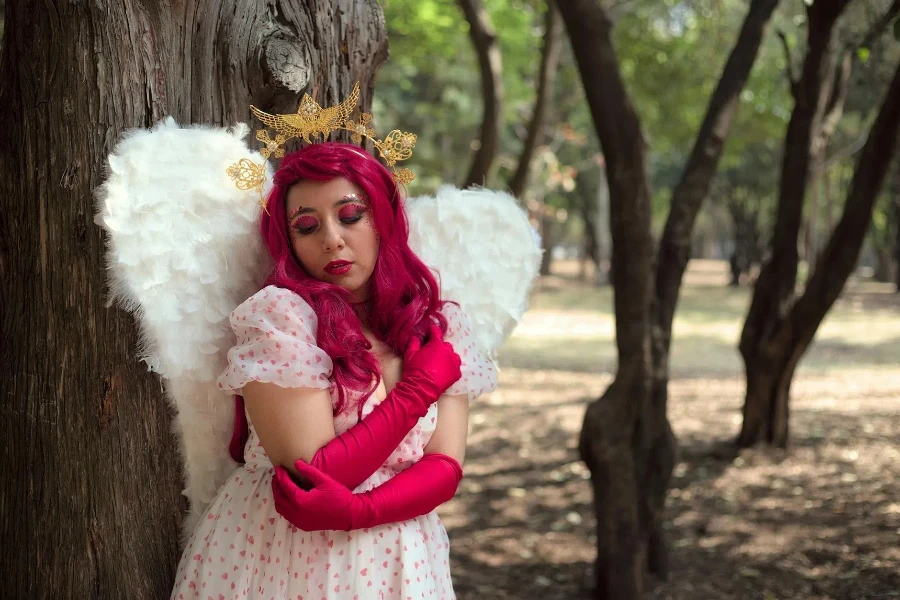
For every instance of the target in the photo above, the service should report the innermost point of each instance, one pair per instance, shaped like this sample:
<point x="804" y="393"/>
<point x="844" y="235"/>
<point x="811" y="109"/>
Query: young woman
<point x="355" y="381"/>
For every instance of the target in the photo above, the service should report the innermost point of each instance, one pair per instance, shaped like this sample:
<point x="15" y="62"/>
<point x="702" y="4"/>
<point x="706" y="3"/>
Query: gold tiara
<point x="311" y="121"/>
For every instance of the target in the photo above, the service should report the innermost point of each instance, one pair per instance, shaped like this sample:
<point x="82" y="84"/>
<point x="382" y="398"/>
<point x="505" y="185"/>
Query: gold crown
<point x="309" y="122"/>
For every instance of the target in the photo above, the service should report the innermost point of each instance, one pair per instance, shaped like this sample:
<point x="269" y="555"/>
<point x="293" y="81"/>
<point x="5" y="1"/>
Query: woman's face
<point x="332" y="235"/>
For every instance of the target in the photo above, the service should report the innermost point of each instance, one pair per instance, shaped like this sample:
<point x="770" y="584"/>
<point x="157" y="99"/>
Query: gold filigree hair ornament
<point x="311" y="121"/>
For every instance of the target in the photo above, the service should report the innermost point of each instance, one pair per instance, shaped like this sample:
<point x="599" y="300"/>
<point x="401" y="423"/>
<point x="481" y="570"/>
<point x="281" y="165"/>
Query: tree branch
<point x="546" y="76"/>
<point x="880" y="25"/>
<point x="789" y="62"/>
<point x="485" y="41"/>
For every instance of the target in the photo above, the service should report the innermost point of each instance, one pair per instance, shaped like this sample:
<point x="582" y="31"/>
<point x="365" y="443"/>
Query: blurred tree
<point x="431" y="87"/>
<point x="91" y="480"/>
<point x="770" y="345"/>
<point x="745" y="188"/>
<point x="626" y="439"/>
<point x="546" y="77"/>
<point x="490" y="65"/>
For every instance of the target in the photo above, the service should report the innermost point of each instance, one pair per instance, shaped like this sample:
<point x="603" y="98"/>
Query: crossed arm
<point x="295" y="423"/>
<point x="296" y="429"/>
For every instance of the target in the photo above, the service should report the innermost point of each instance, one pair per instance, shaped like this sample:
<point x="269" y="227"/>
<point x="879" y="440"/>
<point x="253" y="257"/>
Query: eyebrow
<point x="301" y="210"/>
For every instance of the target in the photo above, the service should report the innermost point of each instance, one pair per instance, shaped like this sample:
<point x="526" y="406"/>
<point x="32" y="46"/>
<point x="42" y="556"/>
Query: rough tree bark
<point x="766" y="401"/>
<point x="610" y="435"/>
<point x="674" y="253"/>
<point x="546" y="77"/>
<point x="90" y="492"/>
<point x="789" y="339"/>
<point x="626" y="439"/>
<point x="485" y="41"/>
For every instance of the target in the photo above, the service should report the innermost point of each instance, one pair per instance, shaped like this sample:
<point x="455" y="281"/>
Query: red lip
<point x="338" y="267"/>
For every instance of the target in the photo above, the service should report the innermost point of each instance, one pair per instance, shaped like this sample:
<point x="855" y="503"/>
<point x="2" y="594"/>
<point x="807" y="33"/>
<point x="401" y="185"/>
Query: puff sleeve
<point x="276" y="343"/>
<point x="479" y="376"/>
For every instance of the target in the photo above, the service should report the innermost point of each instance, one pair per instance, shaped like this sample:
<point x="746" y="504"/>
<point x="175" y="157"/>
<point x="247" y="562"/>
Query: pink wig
<point x="405" y="296"/>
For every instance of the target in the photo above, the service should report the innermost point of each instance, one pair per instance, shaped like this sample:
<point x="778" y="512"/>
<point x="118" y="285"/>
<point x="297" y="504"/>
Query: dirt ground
<point x="820" y="521"/>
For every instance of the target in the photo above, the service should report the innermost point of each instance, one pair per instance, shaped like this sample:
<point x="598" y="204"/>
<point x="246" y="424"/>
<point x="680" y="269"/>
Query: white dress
<point x="242" y="548"/>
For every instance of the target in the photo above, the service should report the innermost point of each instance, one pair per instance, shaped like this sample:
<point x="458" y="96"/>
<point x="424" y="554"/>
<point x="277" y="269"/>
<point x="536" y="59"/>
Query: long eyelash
<point x="302" y="230"/>
<point x="357" y="215"/>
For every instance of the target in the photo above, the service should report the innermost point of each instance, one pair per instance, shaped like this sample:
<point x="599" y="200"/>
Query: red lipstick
<point x="338" y="267"/>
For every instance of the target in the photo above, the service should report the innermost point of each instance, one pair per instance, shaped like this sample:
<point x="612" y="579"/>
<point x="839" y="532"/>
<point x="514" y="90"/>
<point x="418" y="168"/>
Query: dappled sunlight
<point x="818" y="521"/>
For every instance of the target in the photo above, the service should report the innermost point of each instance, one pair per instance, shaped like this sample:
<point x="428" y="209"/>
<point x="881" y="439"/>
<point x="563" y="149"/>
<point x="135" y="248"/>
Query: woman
<point x="355" y="377"/>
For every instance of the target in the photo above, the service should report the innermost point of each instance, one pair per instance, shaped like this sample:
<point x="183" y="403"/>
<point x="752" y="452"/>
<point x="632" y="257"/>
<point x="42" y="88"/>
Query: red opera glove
<point x="329" y="506"/>
<point x="428" y="370"/>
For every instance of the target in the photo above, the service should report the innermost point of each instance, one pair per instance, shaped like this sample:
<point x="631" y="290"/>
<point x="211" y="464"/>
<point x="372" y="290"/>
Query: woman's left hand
<point x="327" y="506"/>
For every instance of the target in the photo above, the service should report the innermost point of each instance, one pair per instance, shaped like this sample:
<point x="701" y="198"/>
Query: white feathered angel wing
<point x="486" y="252"/>
<point x="183" y="251"/>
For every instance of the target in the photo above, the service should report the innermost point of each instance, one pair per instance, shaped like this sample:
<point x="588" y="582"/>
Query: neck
<point x="361" y="309"/>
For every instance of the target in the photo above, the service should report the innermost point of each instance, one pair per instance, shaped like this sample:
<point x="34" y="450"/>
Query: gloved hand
<point x="330" y="506"/>
<point x="428" y="371"/>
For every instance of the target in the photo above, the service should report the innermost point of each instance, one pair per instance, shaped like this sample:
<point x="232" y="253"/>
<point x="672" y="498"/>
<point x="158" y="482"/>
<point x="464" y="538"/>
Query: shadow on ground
<point x="821" y="521"/>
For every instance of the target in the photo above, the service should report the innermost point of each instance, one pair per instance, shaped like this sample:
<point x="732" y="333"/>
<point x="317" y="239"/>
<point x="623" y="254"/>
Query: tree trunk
<point x="630" y="420"/>
<point x="546" y="77"/>
<point x="485" y="41"/>
<point x="674" y="253"/>
<point x="787" y="343"/>
<point x="90" y="493"/>
<point x="765" y="405"/>
<point x="611" y="435"/>
<point x="588" y="207"/>
<point x="549" y="234"/>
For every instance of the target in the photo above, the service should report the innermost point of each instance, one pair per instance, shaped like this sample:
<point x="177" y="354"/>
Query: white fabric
<point x="275" y="330"/>
<point x="400" y="560"/>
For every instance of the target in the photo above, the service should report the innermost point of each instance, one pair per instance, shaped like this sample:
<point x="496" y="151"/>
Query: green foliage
<point x="671" y="54"/>
<point x="431" y="83"/>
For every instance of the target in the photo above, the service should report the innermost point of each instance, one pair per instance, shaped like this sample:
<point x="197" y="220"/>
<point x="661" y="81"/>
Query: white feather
<point x="183" y="252"/>
<point x="485" y="251"/>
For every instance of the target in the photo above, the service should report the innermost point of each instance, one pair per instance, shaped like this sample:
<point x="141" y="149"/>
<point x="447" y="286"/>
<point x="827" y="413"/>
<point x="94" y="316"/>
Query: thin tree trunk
<point x="546" y="77"/>
<point x="91" y="474"/>
<point x="632" y="412"/>
<point x="819" y="97"/>
<point x="549" y="234"/>
<point x="485" y="41"/>
<point x="765" y="405"/>
<point x="611" y="433"/>
<point x="789" y="342"/>
<point x="674" y="253"/>
<point x="587" y="205"/>
<point x="601" y="230"/>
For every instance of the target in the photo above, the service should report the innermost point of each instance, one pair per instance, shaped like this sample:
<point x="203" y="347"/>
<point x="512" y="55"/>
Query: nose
<point x="332" y="239"/>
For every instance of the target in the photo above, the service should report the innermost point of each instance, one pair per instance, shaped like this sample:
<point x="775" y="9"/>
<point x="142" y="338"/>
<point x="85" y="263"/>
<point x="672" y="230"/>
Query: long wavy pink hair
<point x="405" y="297"/>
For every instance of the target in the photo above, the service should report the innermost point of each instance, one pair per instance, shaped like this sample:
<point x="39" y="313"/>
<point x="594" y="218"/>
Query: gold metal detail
<point x="309" y="123"/>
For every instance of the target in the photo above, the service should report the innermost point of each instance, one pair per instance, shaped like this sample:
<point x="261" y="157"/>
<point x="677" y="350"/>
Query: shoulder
<point x="273" y="300"/>
<point x="459" y="327"/>
<point x="275" y="331"/>
<point x="454" y="314"/>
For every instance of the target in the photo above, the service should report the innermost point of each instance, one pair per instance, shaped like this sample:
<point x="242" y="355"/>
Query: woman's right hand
<point x="434" y="365"/>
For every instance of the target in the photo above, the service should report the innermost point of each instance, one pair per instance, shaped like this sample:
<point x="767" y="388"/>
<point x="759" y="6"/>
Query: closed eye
<point x="305" y="225"/>
<point x="351" y="213"/>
